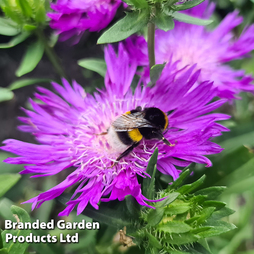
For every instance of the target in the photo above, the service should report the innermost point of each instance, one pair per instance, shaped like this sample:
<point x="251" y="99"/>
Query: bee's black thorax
<point x="156" y="117"/>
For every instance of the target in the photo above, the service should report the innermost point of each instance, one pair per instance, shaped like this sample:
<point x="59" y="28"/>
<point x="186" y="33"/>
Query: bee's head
<point x="156" y="117"/>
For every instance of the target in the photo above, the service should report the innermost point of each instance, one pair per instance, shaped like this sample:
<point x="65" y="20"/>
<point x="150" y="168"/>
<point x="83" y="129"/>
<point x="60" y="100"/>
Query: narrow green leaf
<point x="180" y="239"/>
<point x="218" y="227"/>
<point x="155" y="216"/>
<point x="201" y="229"/>
<point x="217" y="204"/>
<point x="15" y="40"/>
<point x="130" y="24"/>
<point x="191" y="187"/>
<point x="164" y="21"/>
<point x="155" y="72"/>
<point x="205" y="214"/>
<point x="25" y="8"/>
<point x="142" y="4"/>
<point x="29" y="28"/>
<point x="53" y="39"/>
<point x="4" y="251"/>
<point x="148" y="187"/>
<point x="187" y="5"/>
<point x="224" y="212"/>
<point x="176" y="227"/>
<point x="7" y="181"/>
<point x="14" y="14"/>
<point x="180" y="179"/>
<point x="32" y="57"/>
<point x="8" y="27"/>
<point x="168" y="200"/>
<point x="211" y="192"/>
<point x="93" y="64"/>
<point x="5" y="94"/>
<point x="26" y="82"/>
<point x="17" y="248"/>
<point x="40" y="13"/>
<point x="191" y="20"/>
<point x="177" y="208"/>
<point x="153" y="241"/>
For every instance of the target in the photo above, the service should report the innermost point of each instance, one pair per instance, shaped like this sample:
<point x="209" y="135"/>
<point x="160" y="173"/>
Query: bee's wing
<point x="129" y="122"/>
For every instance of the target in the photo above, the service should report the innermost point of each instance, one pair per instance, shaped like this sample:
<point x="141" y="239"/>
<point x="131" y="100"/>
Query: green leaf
<point x="29" y="28"/>
<point x="17" y="248"/>
<point x="8" y="27"/>
<point x="204" y="215"/>
<point x="217" y="204"/>
<point x="179" y="239"/>
<point x="155" y="216"/>
<point x="218" y="227"/>
<point x="142" y="4"/>
<point x="130" y="24"/>
<point x="191" y="187"/>
<point x="155" y="72"/>
<point x="148" y="187"/>
<point x="15" y="40"/>
<point x="177" y="208"/>
<point x="7" y="181"/>
<point x="93" y="64"/>
<point x="176" y="227"/>
<point x="224" y="212"/>
<point x="26" y="82"/>
<point x="191" y="20"/>
<point x="201" y="229"/>
<point x="40" y="13"/>
<point x="211" y="192"/>
<point x="164" y="21"/>
<point x="5" y="94"/>
<point x="180" y="179"/>
<point x="168" y="200"/>
<point x="25" y="8"/>
<point x="8" y="168"/>
<point x="32" y="57"/>
<point x="153" y="241"/>
<point x="187" y="5"/>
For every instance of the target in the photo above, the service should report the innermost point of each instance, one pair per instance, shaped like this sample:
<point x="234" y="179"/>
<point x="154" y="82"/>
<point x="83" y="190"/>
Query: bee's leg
<point x="167" y="142"/>
<point x="125" y="153"/>
<point x="161" y="137"/>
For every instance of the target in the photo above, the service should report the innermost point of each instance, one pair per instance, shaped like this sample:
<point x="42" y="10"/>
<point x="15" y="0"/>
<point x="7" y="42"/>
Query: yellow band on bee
<point x="135" y="135"/>
<point x="127" y="113"/>
<point x="166" y="121"/>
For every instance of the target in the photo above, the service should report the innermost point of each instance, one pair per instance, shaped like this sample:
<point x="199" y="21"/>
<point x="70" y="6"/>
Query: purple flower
<point x="73" y="17"/>
<point x="67" y="125"/>
<point x="211" y="50"/>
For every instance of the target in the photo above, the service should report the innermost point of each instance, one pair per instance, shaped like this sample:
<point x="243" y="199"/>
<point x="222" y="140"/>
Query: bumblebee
<point x="126" y="132"/>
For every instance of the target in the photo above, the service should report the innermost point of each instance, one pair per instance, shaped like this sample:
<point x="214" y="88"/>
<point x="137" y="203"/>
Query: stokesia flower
<point x="67" y="126"/>
<point x="73" y="17"/>
<point x="211" y="50"/>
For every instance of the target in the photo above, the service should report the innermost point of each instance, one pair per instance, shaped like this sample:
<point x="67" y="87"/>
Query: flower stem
<point x="151" y="34"/>
<point x="52" y="56"/>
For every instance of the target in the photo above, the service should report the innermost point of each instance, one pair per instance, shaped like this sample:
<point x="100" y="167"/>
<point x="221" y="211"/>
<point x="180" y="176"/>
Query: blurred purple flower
<point x="211" y="50"/>
<point x="73" y="17"/>
<point x="66" y="125"/>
